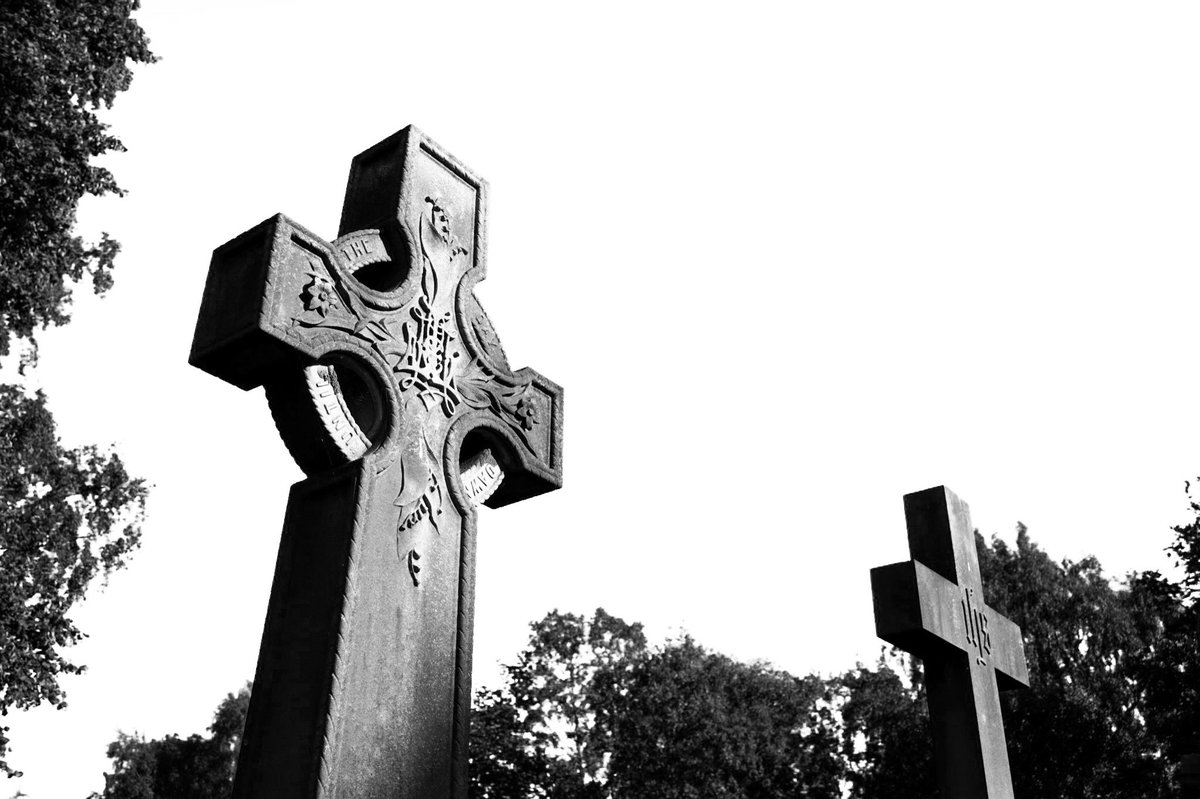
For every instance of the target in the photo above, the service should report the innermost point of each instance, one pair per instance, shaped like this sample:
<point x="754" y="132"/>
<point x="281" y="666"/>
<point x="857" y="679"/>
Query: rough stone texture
<point x="388" y="384"/>
<point x="1189" y="776"/>
<point x="932" y="606"/>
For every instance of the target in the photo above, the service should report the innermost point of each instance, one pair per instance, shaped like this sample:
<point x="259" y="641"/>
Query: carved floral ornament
<point x="319" y="295"/>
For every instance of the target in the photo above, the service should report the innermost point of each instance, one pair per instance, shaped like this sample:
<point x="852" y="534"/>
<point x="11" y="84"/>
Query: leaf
<point x="477" y="393"/>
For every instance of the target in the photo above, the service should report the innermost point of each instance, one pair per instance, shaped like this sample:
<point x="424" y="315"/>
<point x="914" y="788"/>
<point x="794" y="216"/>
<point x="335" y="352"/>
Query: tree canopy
<point x="589" y="710"/>
<point x="196" y="767"/>
<point x="1114" y="675"/>
<point x="67" y="515"/>
<point x="59" y="63"/>
<point x="1114" y="701"/>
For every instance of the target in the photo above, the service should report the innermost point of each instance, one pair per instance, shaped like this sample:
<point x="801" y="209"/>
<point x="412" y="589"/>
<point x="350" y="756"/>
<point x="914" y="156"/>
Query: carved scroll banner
<point x="392" y="392"/>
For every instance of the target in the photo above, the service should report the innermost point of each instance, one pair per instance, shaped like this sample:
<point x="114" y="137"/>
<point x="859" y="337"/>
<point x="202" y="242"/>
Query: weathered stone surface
<point x="1189" y="776"/>
<point x="932" y="606"/>
<point x="389" y="387"/>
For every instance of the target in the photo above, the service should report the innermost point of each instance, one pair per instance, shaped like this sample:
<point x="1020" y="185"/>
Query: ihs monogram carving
<point x="975" y="622"/>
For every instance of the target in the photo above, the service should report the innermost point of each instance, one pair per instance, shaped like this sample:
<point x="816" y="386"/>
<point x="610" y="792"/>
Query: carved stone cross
<point x="932" y="606"/>
<point x="392" y="392"/>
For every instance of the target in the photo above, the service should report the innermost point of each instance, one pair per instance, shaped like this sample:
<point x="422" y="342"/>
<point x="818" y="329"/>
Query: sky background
<point x="789" y="261"/>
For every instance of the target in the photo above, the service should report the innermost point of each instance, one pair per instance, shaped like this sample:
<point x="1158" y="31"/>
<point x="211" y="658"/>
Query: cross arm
<point x="244" y="333"/>
<point x="1012" y="671"/>
<point x="920" y="611"/>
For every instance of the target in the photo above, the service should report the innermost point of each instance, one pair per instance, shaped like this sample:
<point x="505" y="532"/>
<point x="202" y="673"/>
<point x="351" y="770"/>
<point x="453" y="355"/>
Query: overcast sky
<point x="790" y="262"/>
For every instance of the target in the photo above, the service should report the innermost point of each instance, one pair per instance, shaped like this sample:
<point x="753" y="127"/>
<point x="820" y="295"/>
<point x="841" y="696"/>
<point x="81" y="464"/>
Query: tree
<point x="590" y="711"/>
<point x="554" y="688"/>
<point x="1078" y="730"/>
<point x="509" y="756"/>
<point x="1087" y="726"/>
<point x="1185" y="549"/>
<point x="66" y="517"/>
<point x="885" y="740"/>
<point x="196" y="767"/>
<point x="693" y="724"/>
<point x="59" y="62"/>
<point x="1167" y="667"/>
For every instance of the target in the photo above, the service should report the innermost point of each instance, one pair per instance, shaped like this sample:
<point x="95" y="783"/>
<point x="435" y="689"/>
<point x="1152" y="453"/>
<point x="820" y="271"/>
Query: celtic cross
<point x="391" y="390"/>
<point x="932" y="606"/>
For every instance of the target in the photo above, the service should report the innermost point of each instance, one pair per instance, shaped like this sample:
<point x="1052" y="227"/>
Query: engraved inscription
<point x="976" y="622"/>
<point x="361" y="248"/>
<point x="335" y="416"/>
<point x="354" y="250"/>
<point x="482" y="477"/>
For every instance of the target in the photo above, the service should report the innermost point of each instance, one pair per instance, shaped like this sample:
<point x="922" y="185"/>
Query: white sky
<point x="790" y="262"/>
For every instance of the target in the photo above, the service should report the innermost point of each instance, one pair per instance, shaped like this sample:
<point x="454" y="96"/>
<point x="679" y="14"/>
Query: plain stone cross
<point x="392" y="392"/>
<point x="932" y="606"/>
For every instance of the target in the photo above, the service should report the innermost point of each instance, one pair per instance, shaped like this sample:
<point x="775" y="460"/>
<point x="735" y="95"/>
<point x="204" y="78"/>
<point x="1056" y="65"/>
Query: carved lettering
<point x="360" y="248"/>
<point x="334" y="414"/>
<point x="481" y="477"/>
<point x="976" y="623"/>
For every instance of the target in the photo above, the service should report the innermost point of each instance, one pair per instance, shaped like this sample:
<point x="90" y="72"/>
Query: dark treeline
<point x="591" y="710"/>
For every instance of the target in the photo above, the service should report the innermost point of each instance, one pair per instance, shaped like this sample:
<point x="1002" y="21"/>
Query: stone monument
<point x="391" y="390"/>
<point x="932" y="606"/>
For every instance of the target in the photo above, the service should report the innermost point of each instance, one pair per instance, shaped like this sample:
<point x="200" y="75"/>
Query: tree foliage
<point x="66" y="517"/>
<point x="591" y="711"/>
<point x="196" y="767"/>
<point x="1186" y="550"/>
<point x="59" y="63"/>
<point x="1079" y="730"/>
<point x="566" y="678"/>
<point x="694" y="724"/>
<point x="885" y="738"/>
<point x="1113" y="705"/>
<point x="509" y="756"/>
<point x="1166" y="669"/>
<point x="1114" y="697"/>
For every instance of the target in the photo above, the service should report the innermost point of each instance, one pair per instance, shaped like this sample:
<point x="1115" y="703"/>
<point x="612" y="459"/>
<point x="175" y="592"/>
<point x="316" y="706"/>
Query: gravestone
<point x="391" y="390"/>
<point x="932" y="606"/>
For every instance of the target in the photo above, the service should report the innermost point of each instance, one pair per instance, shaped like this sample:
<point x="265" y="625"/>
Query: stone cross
<point x="391" y="390"/>
<point x="932" y="606"/>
